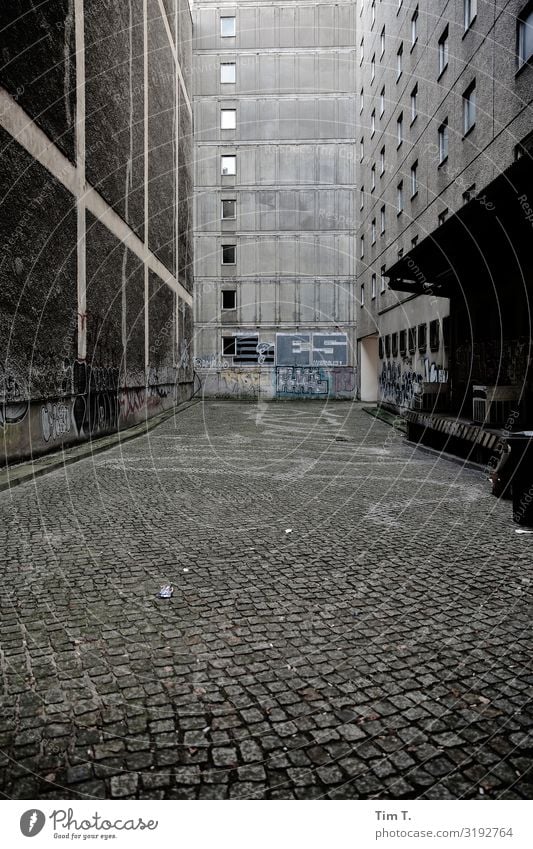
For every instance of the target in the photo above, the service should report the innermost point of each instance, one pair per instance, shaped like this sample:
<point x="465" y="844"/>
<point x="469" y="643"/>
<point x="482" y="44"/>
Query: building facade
<point x="274" y="198"/>
<point x="444" y="110"/>
<point x="95" y="218"/>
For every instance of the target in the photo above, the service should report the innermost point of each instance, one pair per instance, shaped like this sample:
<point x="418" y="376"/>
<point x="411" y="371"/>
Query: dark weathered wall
<point x="95" y="223"/>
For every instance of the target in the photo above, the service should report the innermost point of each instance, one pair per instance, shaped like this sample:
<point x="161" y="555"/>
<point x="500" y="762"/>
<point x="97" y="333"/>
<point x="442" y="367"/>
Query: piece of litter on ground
<point x="206" y="729"/>
<point x="522" y="531"/>
<point x="288" y="531"/>
<point x="185" y="570"/>
<point x="165" y="591"/>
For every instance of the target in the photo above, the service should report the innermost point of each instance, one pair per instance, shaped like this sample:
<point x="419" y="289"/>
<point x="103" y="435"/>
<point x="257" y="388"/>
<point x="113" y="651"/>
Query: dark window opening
<point x="229" y="299"/>
<point x="403" y="343"/>
<point x="422" y="337"/>
<point x="229" y="254"/>
<point x="228" y="346"/>
<point x="412" y="340"/>
<point x="434" y="335"/>
<point x="394" y="344"/>
<point x="387" y="346"/>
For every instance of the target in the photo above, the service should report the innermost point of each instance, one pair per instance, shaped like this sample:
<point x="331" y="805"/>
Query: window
<point x="422" y="337"/>
<point x="525" y="35"/>
<point x="228" y="72"/>
<point x="373" y="123"/>
<point x="229" y="299"/>
<point x="414" y="179"/>
<point x="469" y="108"/>
<point x="446" y="332"/>
<point x="383" y="285"/>
<point x="373" y="231"/>
<point x="228" y="346"/>
<point x="373" y="177"/>
<point x="443" y="141"/>
<point x="382" y="219"/>
<point x="443" y="216"/>
<point x="362" y="197"/>
<point x="228" y="165"/>
<point x="403" y="343"/>
<point x="469" y="193"/>
<point x="373" y="12"/>
<point x="228" y="27"/>
<point x="381" y="347"/>
<point x="414" y="27"/>
<point x="382" y="42"/>
<point x="362" y="51"/>
<point x="470" y="12"/>
<point x="362" y="247"/>
<point x="362" y="149"/>
<point x="414" y="241"/>
<point x="373" y="286"/>
<point x="382" y="161"/>
<point x="229" y="254"/>
<point x="229" y="209"/>
<point x="361" y="100"/>
<point x="400" y="253"/>
<point x="228" y="119"/>
<point x="443" y="51"/>
<point x="399" y="62"/>
<point x="382" y="101"/>
<point x="362" y="294"/>
<point x="372" y="68"/>
<point x="412" y="340"/>
<point x="434" y="335"/>
<point x="414" y="103"/>
<point x="387" y="346"/>
<point x="399" y="129"/>
<point x="394" y="344"/>
<point x="399" y="197"/>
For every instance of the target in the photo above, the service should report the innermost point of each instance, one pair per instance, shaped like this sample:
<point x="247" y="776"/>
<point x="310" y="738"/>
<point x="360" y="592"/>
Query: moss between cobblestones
<point x="389" y="418"/>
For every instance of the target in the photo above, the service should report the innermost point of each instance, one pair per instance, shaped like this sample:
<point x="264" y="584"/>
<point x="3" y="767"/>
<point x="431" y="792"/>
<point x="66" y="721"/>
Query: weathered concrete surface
<point x="381" y="649"/>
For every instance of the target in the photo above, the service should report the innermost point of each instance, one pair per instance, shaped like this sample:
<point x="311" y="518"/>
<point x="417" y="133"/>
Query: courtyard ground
<point x="349" y="618"/>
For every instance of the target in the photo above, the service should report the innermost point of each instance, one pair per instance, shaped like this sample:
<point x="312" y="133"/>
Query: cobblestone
<point x="379" y="650"/>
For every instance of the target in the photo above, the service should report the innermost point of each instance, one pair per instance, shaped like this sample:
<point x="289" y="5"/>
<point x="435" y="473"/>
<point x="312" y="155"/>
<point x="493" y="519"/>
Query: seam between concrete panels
<point x="26" y="133"/>
<point x="174" y="54"/>
<point x="80" y="182"/>
<point x="146" y="177"/>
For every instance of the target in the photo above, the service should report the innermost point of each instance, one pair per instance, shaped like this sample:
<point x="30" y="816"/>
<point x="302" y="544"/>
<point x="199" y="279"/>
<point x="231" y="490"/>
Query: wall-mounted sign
<point x="311" y="349"/>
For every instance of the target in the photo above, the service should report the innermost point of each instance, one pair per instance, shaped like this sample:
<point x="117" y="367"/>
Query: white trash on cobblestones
<point x="166" y="591"/>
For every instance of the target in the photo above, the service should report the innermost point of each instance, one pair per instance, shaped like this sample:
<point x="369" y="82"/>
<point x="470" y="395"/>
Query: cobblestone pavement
<point x="381" y="648"/>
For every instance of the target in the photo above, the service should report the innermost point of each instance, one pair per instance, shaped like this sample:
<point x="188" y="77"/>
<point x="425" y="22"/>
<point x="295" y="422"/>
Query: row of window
<point x="524" y="40"/>
<point x="469" y="120"/>
<point x="413" y="339"/>
<point x="373" y="283"/>
<point x="470" y="12"/>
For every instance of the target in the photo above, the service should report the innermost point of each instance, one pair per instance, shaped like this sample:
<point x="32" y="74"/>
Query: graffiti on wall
<point x="211" y="361"/>
<point x="493" y="362"/>
<point x="343" y="380"/>
<point x="401" y="384"/>
<point x="300" y="381"/>
<point x="13" y="404"/>
<point x="56" y="421"/>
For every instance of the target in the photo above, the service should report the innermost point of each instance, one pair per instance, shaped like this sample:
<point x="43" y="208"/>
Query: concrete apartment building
<point x="274" y="96"/>
<point x="95" y="218"/>
<point x="444" y="112"/>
